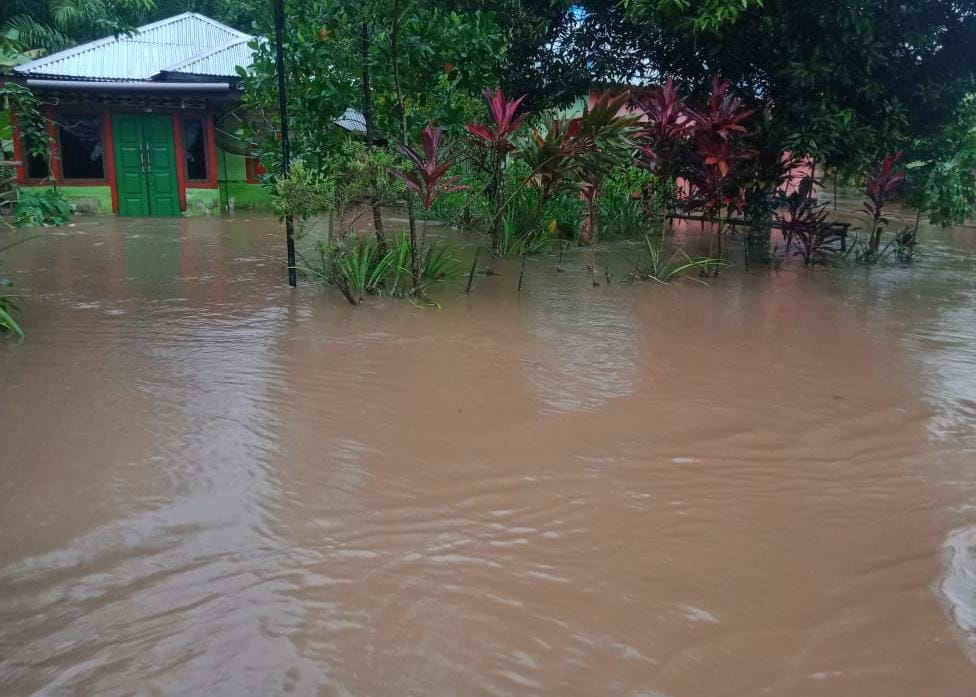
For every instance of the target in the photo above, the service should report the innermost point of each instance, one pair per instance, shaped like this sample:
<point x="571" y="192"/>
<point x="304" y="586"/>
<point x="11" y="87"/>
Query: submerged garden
<point x="610" y="122"/>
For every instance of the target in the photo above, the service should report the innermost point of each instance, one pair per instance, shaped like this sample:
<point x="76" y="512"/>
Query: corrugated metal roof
<point x="351" y="120"/>
<point x="220" y="61"/>
<point x="163" y="46"/>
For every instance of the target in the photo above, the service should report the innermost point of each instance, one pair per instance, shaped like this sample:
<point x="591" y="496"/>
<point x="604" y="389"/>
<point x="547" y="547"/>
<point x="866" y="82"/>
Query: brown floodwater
<point x="212" y="485"/>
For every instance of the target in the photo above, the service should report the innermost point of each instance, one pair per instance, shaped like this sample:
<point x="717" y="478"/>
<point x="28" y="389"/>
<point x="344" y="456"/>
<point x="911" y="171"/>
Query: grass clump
<point x="358" y="268"/>
<point x="656" y="264"/>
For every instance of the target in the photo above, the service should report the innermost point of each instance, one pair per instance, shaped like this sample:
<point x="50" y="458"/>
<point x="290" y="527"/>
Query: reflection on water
<point x="212" y="484"/>
<point x="588" y="346"/>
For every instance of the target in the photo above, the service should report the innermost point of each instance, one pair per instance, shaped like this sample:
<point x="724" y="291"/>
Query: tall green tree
<point x="853" y="79"/>
<point x="400" y="63"/>
<point x="53" y="25"/>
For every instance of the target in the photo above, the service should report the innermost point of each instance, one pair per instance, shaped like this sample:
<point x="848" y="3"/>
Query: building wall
<point x="239" y="189"/>
<point x="232" y="184"/>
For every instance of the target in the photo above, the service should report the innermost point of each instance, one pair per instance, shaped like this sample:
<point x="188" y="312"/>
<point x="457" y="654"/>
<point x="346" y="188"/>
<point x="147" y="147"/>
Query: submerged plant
<point x="666" y="127"/>
<point x="717" y="153"/>
<point x="357" y="267"/>
<point x="518" y="240"/>
<point x="860" y="253"/>
<point x="9" y="303"/>
<point x="48" y="208"/>
<point x="657" y="265"/>
<point x="497" y="138"/>
<point x="881" y="187"/>
<point x="805" y="227"/>
<point x="428" y="179"/>
<point x="9" y="306"/>
<point x="606" y="142"/>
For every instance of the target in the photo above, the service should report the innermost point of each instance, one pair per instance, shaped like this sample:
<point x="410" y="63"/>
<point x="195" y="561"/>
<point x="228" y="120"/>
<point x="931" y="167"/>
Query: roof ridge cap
<point x="201" y="55"/>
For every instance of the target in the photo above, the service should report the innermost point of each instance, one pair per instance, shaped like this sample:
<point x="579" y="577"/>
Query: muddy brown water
<point x="210" y="485"/>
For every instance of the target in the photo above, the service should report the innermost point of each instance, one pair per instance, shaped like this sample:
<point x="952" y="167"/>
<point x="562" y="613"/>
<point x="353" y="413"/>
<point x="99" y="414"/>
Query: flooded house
<point x="143" y="124"/>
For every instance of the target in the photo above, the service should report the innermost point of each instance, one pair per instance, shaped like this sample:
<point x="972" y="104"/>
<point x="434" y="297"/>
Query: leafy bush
<point x="625" y="201"/>
<point x="305" y="194"/>
<point x="46" y="208"/>
<point x="9" y="306"/>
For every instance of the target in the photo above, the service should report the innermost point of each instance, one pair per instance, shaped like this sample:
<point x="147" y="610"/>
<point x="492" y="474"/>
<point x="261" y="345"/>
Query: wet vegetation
<point x="532" y="167"/>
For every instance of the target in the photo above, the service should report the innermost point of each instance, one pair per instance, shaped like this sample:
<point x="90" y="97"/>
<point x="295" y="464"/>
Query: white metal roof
<point x="219" y="61"/>
<point x="351" y="120"/>
<point x="187" y="44"/>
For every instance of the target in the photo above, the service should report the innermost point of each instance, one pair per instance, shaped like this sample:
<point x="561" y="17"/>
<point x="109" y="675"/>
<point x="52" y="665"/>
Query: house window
<point x="195" y="149"/>
<point x="37" y="167"/>
<point x="80" y="136"/>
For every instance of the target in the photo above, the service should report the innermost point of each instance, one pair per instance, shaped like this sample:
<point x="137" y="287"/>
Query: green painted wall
<point x="202" y="202"/>
<point x="230" y="167"/>
<point x="246" y="197"/>
<point x="232" y="178"/>
<point x="90" y="200"/>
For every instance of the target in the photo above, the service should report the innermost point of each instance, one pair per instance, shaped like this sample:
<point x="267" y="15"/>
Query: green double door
<point x="145" y="165"/>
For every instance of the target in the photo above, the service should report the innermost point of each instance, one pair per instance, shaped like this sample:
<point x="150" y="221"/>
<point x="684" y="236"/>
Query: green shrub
<point x="46" y="208"/>
<point x="9" y="306"/>
<point x="628" y="203"/>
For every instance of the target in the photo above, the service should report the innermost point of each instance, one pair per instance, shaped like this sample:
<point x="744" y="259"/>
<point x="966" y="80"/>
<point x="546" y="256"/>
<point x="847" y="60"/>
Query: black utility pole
<point x="279" y="22"/>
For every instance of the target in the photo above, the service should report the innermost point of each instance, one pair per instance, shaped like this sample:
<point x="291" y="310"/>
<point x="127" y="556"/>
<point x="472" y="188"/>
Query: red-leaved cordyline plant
<point x="717" y="151"/>
<point x="504" y="123"/>
<point x="725" y="113"/>
<point x="666" y="125"/>
<point x="605" y="141"/>
<point x="497" y="138"/>
<point x="880" y="189"/>
<point x="551" y="156"/>
<point x="427" y="180"/>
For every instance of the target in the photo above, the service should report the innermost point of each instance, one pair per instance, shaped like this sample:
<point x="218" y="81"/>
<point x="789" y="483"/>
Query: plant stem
<point x="498" y="176"/>
<point x="718" y="240"/>
<point x="474" y="265"/>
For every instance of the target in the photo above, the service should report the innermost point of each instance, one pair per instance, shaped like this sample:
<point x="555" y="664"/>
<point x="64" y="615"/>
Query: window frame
<point x="209" y="145"/>
<point x="21" y="155"/>
<point x="57" y="163"/>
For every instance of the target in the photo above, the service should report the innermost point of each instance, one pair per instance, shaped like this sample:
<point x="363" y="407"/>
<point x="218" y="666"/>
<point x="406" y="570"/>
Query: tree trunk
<point x="758" y="237"/>
<point x="368" y="119"/>
<point x="718" y="242"/>
<point x="402" y="109"/>
<point x="496" y="218"/>
<point x="590" y="228"/>
<point x="875" y="243"/>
